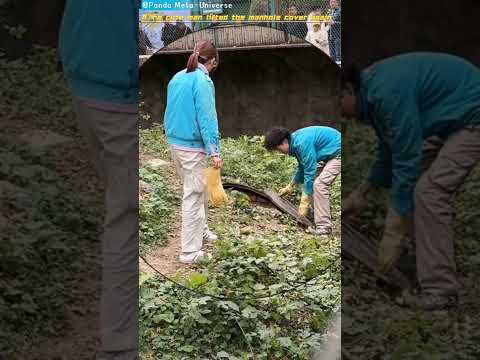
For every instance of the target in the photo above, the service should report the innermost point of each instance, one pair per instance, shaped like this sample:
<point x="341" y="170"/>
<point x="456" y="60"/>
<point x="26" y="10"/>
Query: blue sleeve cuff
<point x="308" y="188"/>
<point x="403" y="205"/>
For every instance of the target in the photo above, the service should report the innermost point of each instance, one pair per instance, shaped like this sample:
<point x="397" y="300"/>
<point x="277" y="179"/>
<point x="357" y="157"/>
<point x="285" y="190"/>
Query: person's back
<point x="96" y="64"/>
<point x="442" y="90"/>
<point x="190" y="109"/>
<point x="325" y="140"/>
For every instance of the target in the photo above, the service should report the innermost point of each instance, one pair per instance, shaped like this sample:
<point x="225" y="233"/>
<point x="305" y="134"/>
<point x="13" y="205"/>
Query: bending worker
<point x="418" y="102"/>
<point x="318" y="152"/>
<point x="191" y="128"/>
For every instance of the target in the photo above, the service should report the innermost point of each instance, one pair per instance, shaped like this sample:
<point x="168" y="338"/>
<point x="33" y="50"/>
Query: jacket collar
<point x="203" y="68"/>
<point x="291" y="150"/>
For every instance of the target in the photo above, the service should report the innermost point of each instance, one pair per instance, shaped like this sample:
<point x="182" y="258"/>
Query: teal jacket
<point x="98" y="49"/>
<point x="310" y="146"/>
<point x="408" y="98"/>
<point x="190" y="117"/>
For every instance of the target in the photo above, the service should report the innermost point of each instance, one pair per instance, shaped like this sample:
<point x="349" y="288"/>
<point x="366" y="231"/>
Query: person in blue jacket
<point x="419" y="104"/>
<point x="191" y="127"/>
<point x="99" y="54"/>
<point x="318" y="152"/>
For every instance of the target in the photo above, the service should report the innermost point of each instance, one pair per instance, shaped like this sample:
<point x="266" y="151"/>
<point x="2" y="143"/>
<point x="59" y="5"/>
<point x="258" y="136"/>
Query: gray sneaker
<point x="195" y="257"/>
<point x="209" y="236"/>
<point x="321" y="231"/>
<point x="427" y="302"/>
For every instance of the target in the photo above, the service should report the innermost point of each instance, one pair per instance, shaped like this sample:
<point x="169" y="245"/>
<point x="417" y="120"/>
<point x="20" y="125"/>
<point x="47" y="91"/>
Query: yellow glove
<point x="396" y="230"/>
<point x="216" y="193"/>
<point x="288" y="189"/>
<point x="304" y="205"/>
<point x="358" y="199"/>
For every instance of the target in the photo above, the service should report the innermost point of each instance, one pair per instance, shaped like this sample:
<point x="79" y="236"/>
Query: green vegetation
<point x="48" y="226"/>
<point x="278" y="285"/>
<point x="372" y="325"/>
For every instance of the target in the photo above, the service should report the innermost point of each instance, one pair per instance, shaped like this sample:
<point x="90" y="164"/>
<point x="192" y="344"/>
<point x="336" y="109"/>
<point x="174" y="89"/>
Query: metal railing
<point x="316" y="21"/>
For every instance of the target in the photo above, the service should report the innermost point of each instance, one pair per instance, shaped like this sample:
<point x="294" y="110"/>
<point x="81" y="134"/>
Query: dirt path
<point x="165" y="258"/>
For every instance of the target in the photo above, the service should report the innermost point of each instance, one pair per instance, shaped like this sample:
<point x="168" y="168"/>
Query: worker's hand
<point x="288" y="189"/>
<point x="217" y="162"/>
<point x="396" y="230"/>
<point x="304" y="204"/>
<point x="357" y="200"/>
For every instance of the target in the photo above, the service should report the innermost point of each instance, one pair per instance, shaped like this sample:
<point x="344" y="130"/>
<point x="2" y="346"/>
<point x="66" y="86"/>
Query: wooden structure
<point x="234" y="38"/>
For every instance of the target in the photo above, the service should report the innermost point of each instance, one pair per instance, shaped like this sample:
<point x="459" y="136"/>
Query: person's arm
<point x="299" y="177"/>
<point x="403" y="134"/>
<point x="308" y="37"/>
<point x="206" y="114"/>
<point x="309" y="163"/>
<point x="380" y="173"/>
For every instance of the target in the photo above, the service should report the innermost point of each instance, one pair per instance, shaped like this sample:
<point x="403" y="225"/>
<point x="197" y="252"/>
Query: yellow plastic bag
<point x="216" y="193"/>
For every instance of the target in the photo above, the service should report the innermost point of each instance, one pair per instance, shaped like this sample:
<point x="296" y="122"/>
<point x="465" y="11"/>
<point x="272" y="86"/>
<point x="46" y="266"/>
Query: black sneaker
<point x="426" y="301"/>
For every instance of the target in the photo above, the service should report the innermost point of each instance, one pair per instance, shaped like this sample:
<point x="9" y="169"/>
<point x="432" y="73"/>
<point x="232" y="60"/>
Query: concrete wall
<point x="256" y="89"/>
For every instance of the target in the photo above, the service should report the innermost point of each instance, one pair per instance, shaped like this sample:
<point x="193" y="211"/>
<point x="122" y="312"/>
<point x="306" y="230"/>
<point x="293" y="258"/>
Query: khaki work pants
<point x="191" y="168"/>
<point x="445" y="166"/>
<point x="321" y="193"/>
<point x="113" y="143"/>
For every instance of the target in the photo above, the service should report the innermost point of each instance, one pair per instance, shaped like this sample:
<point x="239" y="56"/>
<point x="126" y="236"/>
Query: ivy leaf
<point x="168" y="318"/>
<point x="197" y="280"/>
<point x="229" y="305"/>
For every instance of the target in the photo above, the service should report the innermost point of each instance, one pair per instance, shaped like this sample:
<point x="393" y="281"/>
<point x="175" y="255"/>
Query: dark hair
<point x="350" y="74"/>
<point x="275" y="137"/>
<point x="203" y="51"/>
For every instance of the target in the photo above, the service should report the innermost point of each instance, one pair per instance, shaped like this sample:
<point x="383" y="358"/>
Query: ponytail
<point x="202" y="52"/>
<point x="193" y="61"/>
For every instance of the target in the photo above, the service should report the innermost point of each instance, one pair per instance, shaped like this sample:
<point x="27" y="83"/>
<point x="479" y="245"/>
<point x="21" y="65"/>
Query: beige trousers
<point x="191" y="169"/>
<point x="321" y="193"/>
<point x="442" y="176"/>
<point x="113" y="143"/>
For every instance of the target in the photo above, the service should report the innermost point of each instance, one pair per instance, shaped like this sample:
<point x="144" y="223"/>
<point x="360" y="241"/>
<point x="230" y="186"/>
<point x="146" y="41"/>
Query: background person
<point x="318" y="152"/>
<point x="144" y="43"/>
<point x="182" y="30"/>
<point x="318" y="37"/>
<point x="99" y="57"/>
<point x="409" y="99"/>
<point x="335" y="31"/>
<point x="296" y="28"/>
<point x="191" y="127"/>
<point x="169" y="33"/>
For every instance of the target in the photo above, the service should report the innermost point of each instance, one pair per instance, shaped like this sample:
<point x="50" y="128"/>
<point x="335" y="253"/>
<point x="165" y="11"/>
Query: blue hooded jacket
<point x="408" y="98"/>
<point x="98" y="49"/>
<point x="191" y="117"/>
<point x="310" y="146"/>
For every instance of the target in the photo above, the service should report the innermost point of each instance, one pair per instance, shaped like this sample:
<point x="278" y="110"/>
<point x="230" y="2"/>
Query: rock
<point x="145" y="187"/>
<point x="156" y="163"/>
<point x="247" y="230"/>
<point x="41" y="140"/>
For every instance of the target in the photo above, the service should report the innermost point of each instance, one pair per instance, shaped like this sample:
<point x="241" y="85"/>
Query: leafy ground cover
<point x="50" y="213"/>
<point x="270" y="289"/>
<point x="373" y="327"/>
